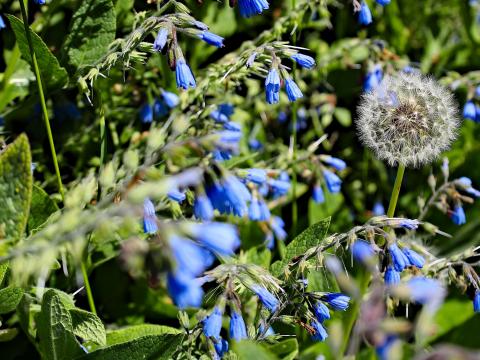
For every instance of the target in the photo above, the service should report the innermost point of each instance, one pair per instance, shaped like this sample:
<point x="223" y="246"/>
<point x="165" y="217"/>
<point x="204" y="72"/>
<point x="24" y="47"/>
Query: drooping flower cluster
<point x="160" y="107"/>
<point x="337" y="301"/>
<point x="332" y="180"/>
<point x="409" y="119"/>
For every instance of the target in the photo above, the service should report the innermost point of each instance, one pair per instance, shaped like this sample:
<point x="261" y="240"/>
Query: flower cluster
<point x="336" y="301"/>
<point x="471" y="109"/>
<point x="160" y="107"/>
<point x="331" y="180"/>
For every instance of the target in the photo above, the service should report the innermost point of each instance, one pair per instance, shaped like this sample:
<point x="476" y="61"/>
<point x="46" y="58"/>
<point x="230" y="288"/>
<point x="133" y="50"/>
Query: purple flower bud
<point x="336" y="163"/>
<point x="254" y="210"/>
<point x="392" y="277"/>
<point x="221" y="347"/>
<point x="146" y="114"/>
<point x="149" y="218"/>
<point x="458" y="215"/>
<point x="469" y="111"/>
<point x="272" y="87"/>
<point x="176" y="195"/>
<point x="317" y="194"/>
<point x="414" y="258"/>
<point x="251" y="59"/>
<point x="362" y="251"/>
<point x="184" y="75"/>
<point x="321" y="311"/>
<point x="400" y="261"/>
<point x="184" y="290"/>
<point x="334" y="183"/>
<point x="476" y="301"/>
<point x="170" y="99"/>
<point x="202" y="208"/>
<point x="211" y="38"/>
<point x="292" y="89"/>
<point x="249" y="8"/>
<point x="364" y="16"/>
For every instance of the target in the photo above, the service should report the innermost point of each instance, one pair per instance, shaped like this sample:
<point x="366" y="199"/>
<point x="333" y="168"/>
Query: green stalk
<point x="396" y="191"/>
<point x="294" y="146"/>
<point x="88" y="289"/>
<point x="42" y="99"/>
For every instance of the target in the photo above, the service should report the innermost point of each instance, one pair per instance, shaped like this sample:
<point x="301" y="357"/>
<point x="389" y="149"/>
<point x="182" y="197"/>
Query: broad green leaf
<point x="88" y="326"/>
<point x="286" y="349"/>
<point x="150" y="347"/>
<point x="259" y="255"/>
<point x="312" y="236"/>
<point x="53" y="75"/>
<point x="248" y="350"/>
<point x="452" y="314"/>
<point x="41" y="208"/>
<point x="136" y="331"/>
<point x="91" y="32"/>
<point x="343" y="116"/>
<point x="15" y="188"/>
<point x="55" y="329"/>
<point x="3" y="272"/>
<point x="9" y="298"/>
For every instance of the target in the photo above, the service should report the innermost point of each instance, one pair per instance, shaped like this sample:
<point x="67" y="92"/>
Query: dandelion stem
<point x="42" y="98"/>
<point x="396" y="191"/>
<point x="88" y="289"/>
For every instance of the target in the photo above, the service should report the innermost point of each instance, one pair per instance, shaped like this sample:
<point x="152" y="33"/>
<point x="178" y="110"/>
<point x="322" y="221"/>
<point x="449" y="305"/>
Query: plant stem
<point x="294" y="147"/>
<point x="42" y="99"/>
<point x="88" y="289"/>
<point x="396" y="191"/>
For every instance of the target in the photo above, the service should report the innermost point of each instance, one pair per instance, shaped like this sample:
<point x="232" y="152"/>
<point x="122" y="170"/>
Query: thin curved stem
<point x="88" y="289"/>
<point x="42" y="99"/>
<point x="396" y="191"/>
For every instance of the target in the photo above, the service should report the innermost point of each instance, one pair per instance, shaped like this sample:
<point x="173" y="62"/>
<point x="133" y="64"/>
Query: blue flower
<point x="383" y="2"/>
<point x="477" y="113"/>
<point x="171" y="99"/>
<point x="39" y="2"/>
<point x="282" y="117"/>
<point x="334" y="183"/>
<point x="337" y="301"/>
<point x="384" y="351"/>
<point x="469" y="111"/>
<point x="255" y="144"/>
<point x="476" y="301"/>
<point x="232" y="126"/>
<point x="221" y="347"/>
<point x="146" y="113"/>
<point x="232" y="197"/>
<point x="364" y="16"/>
<point x="409" y="224"/>
<point x="321" y="311"/>
<point x="257" y="176"/>
<point x="212" y="324"/>
<point x="211" y="38"/>
<point x="400" y="261"/>
<point x="2" y="23"/>
<point x="149" y="218"/>
<point x="277" y="225"/>
<point x="176" y="195"/>
<point x="218" y="237"/>
<point x="159" y="109"/>
<point x="317" y="194"/>
<point x="378" y="209"/>
<point x="190" y="258"/>
<point x="249" y="8"/>
<point x="304" y="61"/>
<point x="279" y="187"/>
<point x="238" y="330"/>
<point x="466" y="184"/>
<point x="254" y="210"/>
<point x="269" y="331"/>
<point x="362" y="251"/>
<point x="414" y="258"/>
<point x="266" y="297"/>
<point x="293" y="91"/>
<point x="392" y="277"/>
<point x="272" y="87"/>
<point x="184" y="290"/>
<point x="320" y="332"/>
<point x="161" y="39"/>
<point x="426" y="291"/>
<point x="458" y="215"/>
<point x="184" y="75"/>
<point x="202" y="208"/>
<point x="373" y="78"/>
<point x="336" y="163"/>
<point x="264" y="211"/>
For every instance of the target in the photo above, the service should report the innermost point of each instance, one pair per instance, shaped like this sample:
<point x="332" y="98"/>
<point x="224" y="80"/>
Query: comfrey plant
<point x="195" y="219"/>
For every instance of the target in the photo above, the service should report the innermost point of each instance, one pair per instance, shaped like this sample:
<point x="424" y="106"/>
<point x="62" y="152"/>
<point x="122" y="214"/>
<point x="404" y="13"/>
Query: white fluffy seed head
<point x="409" y="119"/>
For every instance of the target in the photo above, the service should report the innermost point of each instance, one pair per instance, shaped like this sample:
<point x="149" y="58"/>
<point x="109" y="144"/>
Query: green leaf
<point x="312" y="236"/>
<point x="91" y="32"/>
<point x="55" y="329"/>
<point x="3" y="271"/>
<point x="136" y="331"/>
<point x="88" y="326"/>
<point x="285" y="350"/>
<point x="343" y="116"/>
<point x="8" y="334"/>
<point x="452" y="314"/>
<point x="41" y="208"/>
<point x="9" y="298"/>
<point x="154" y="347"/>
<point x="248" y="350"/>
<point x="53" y="75"/>
<point x="15" y="188"/>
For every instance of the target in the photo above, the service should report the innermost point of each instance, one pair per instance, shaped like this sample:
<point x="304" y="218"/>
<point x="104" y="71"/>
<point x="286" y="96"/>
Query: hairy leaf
<point x="55" y="329"/>
<point x="152" y="347"/>
<point x="312" y="236"/>
<point x="88" y="326"/>
<point x="9" y="298"/>
<point x="92" y="31"/>
<point x="248" y="350"/>
<point x="15" y="188"/>
<point x="41" y="208"/>
<point x="53" y="75"/>
<point x="136" y="331"/>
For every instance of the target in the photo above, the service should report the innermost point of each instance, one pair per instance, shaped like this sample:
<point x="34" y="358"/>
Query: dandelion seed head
<point x="409" y="119"/>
